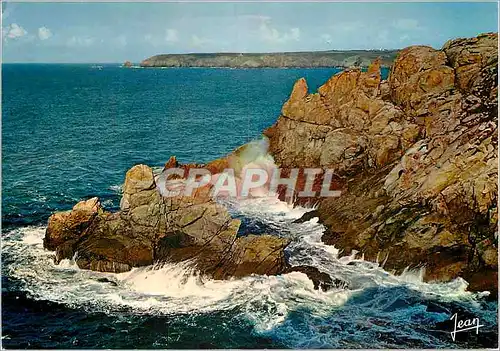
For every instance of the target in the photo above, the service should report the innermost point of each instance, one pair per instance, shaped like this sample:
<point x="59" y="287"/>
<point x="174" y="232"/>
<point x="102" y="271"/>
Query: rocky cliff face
<point x="359" y="58"/>
<point x="417" y="156"/>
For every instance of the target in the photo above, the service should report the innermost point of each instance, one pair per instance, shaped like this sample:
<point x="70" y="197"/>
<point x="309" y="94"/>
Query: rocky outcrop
<point x="68" y="225"/>
<point x="347" y="125"/>
<point x="127" y="64"/>
<point x="152" y="228"/>
<point x="416" y="155"/>
<point x="353" y="58"/>
<point x="321" y="280"/>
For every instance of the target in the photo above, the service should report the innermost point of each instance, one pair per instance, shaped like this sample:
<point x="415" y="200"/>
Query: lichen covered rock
<point x="418" y="156"/>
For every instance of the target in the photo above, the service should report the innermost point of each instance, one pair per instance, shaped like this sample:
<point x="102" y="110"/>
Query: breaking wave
<point x="285" y="307"/>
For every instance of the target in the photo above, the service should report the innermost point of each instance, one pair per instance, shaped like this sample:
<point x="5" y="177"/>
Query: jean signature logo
<point x="461" y="325"/>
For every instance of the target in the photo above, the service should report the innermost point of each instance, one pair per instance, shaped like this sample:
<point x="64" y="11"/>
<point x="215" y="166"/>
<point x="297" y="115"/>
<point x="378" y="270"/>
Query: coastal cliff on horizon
<point x="333" y="58"/>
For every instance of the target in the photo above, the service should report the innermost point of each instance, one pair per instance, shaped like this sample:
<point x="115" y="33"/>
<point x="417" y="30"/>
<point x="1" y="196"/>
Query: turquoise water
<point x="70" y="132"/>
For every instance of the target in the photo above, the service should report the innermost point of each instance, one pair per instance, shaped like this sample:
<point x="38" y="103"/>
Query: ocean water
<point x="70" y="132"/>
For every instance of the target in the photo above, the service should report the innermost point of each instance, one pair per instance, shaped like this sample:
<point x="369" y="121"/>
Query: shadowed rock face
<point x="151" y="228"/>
<point x="417" y="155"/>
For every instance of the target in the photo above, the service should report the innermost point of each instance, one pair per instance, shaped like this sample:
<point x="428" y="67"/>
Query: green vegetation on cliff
<point x="285" y="59"/>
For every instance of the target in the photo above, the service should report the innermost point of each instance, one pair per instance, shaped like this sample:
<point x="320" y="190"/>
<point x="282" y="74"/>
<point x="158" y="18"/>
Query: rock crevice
<point x="151" y="228"/>
<point x="416" y="157"/>
<point x="417" y="153"/>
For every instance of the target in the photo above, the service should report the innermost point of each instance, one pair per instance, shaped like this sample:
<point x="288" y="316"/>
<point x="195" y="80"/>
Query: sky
<point x="115" y="32"/>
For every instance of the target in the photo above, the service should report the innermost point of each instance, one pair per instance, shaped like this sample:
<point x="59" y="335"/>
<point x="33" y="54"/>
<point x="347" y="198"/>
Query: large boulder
<point x="70" y="225"/>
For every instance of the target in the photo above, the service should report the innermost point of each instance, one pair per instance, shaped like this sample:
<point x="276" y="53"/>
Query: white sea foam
<point x="118" y="188"/>
<point x="266" y="301"/>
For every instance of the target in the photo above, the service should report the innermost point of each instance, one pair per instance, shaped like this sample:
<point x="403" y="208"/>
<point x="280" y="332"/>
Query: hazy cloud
<point x="406" y="24"/>
<point x="383" y="37"/>
<point x="171" y="36"/>
<point x="327" y="38"/>
<point x="270" y="34"/>
<point x="149" y="39"/>
<point x="80" y="41"/>
<point x="404" y="37"/>
<point x="340" y="30"/>
<point x="121" y="40"/>
<point x="14" y="31"/>
<point x="257" y="18"/>
<point x="44" y="33"/>
<point x="346" y="27"/>
<point x="198" y="41"/>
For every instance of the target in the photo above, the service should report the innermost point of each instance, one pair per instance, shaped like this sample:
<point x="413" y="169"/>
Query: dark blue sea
<point x="70" y="132"/>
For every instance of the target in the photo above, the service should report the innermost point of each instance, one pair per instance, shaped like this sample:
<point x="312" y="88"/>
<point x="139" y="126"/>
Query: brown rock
<point x="171" y="163"/>
<point x="418" y="74"/>
<point x="69" y="225"/>
<point x="418" y="154"/>
<point x="138" y="178"/>
<point x="471" y="58"/>
<point x="254" y="254"/>
<point x="152" y="228"/>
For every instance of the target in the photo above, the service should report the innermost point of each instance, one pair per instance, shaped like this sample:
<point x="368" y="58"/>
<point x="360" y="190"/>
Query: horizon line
<point x="205" y="53"/>
<point x="252" y="1"/>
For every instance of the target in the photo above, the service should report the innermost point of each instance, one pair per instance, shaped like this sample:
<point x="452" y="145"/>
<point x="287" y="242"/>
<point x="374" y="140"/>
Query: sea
<point x="70" y="132"/>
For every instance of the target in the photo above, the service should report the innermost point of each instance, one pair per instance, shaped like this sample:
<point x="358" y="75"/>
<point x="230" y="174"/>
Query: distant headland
<point x="333" y="58"/>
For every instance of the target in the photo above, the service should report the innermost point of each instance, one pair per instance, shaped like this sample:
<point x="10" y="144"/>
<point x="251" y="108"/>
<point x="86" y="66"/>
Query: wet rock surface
<point x="321" y="280"/>
<point x="151" y="228"/>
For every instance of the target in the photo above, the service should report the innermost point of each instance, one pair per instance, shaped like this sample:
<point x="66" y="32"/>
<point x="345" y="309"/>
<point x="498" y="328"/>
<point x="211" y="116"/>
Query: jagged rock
<point x="68" y="225"/>
<point x="346" y="125"/>
<point x="418" y="74"/>
<point x="307" y="216"/>
<point x="321" y="280"/>
<point x="418" y="155"/>
<point x="127" y="64"/>
<point x="254" y="254"/>
<point x="171" y="163"/>
<point x="151" y="228"/>
<point x="472" y="58"/>
<point x="106" y="280"/>
<point x="65" y="250"/>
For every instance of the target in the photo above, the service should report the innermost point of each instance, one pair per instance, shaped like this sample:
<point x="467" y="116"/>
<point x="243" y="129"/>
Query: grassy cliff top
<point x="332" y="58"/>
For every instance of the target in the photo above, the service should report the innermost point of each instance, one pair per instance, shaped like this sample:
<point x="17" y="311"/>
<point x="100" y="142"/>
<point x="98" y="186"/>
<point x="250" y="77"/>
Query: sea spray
<point x="248" y="172"/>
<point x="273" y="304"/>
